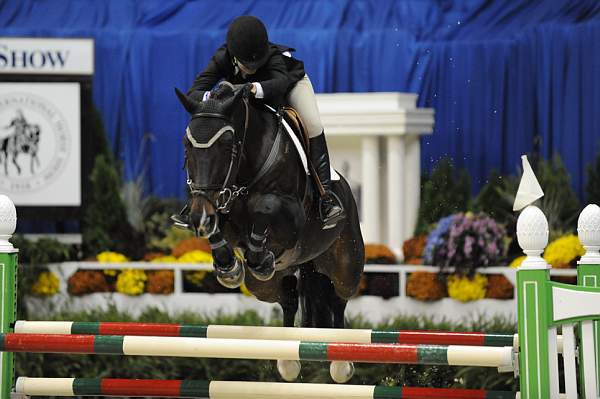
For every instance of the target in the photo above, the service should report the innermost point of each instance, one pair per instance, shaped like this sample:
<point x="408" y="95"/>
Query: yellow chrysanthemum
<point x="131" y="282"/>
<point x="517" y="262"/>
<point x="111" y="257"/>
<point x="47" y="284"/>
<point x="563" y="251"/>
<point x="245" y="290"/>
<point x="111" y="272"/>
<point x="195" y="257"/>
<point x="465" y="289"/>
<point x="164" y="259"/>
<point x="196" y="276"/>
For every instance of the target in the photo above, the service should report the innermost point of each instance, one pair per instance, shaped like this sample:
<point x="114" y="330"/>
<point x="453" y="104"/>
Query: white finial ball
<point x="8" y="216"/>
<point x="532" y="230"/>
<point x="588" y="226"/>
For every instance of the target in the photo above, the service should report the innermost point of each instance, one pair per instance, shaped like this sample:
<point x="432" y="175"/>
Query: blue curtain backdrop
<point x="498" y="73"/>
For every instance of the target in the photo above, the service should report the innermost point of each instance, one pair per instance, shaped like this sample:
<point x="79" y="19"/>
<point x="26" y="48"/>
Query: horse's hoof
<point x="265" y="270"/>
<point x="341" y="372"/>
<point x="288" y="369"/>
<point x="231" y="278"/>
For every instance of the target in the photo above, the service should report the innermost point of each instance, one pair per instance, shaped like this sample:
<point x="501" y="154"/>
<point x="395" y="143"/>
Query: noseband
<point x="227" y="193"/>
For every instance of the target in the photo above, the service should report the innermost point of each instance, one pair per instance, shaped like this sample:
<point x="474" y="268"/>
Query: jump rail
<point x="453" y="355"/>
<point x="363" y="336"/>
<point x="237" y="389"/>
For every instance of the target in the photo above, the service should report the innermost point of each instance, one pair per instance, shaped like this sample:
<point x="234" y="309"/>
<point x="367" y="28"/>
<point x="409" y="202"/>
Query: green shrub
<point x="105" y="225"/>
<point x="592" y="186"/>
<point x="444" y="192"/>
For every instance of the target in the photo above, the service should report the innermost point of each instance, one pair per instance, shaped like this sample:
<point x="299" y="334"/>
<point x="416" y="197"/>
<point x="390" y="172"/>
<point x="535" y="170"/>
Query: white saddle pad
<point x="300" y="150"/>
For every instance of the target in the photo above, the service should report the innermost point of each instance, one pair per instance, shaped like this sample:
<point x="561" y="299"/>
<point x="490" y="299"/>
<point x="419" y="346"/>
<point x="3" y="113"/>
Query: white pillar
<point x="396" y="189"/>
<point x="370" y="207"/>
<point x="412" y="183"/>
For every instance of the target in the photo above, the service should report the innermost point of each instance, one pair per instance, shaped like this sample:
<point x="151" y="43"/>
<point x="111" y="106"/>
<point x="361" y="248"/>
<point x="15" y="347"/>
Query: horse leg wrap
<point x="261" y="261"/>
<point x="229" y="269"/>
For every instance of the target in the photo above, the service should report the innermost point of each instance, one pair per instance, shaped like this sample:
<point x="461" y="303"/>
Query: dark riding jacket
<point x="277" y="76"/>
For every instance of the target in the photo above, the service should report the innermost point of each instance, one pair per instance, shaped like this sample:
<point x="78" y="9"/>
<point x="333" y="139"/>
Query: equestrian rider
<point x="278" y="79"/>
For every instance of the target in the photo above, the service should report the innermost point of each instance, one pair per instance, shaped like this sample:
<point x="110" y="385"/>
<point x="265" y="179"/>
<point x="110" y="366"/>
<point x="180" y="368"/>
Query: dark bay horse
<point x="250" y="190"/>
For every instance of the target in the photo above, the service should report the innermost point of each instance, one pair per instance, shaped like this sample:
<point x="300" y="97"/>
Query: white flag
<point x="529" y="187"/>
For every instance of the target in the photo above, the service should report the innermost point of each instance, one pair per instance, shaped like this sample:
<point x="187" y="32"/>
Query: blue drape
<point x="501" y="75"/>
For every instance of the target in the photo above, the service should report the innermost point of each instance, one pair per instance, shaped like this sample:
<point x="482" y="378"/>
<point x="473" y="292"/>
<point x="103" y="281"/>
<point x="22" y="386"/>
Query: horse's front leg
<point x="229" y="269"/>
<point x="14" y="161"/>
<point x="264" y="209"/>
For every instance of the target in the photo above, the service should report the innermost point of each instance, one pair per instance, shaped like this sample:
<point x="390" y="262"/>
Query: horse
<point x="21" y="142"/>
<point x="249" y="190"/>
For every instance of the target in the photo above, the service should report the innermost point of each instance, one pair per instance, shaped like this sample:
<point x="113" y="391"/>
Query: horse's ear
<point x="189" y="104"/>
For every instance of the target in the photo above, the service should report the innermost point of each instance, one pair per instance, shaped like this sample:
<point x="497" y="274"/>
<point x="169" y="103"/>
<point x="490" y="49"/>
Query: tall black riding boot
<point x="330" y="208"/>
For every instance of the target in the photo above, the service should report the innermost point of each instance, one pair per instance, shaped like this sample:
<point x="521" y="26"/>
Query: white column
<point x="370" y="208"/>
<point x="412" y="183"/>
<point x="396" y="189"/>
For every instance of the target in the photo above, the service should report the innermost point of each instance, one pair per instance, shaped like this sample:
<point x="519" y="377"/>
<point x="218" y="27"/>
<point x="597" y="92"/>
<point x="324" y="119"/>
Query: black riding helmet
<point x="248" y="42"/>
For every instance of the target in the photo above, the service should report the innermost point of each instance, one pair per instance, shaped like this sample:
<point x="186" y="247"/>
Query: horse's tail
<point x="316" y="298"/>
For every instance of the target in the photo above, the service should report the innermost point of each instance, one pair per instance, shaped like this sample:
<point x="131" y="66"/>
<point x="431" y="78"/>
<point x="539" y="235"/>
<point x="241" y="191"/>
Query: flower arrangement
<point x="190" y="244"/>
<point x="464" y="288"/>
<point x="131" y="282"/>
<point x="196" y="256"/>
<point x="499" y="287"/>
<point x="425" y="286"/>
<point x="195" y="277"/>
<point x="47" y="284"/>
<point x="379" y="254"/>
<point x="436" y="238"/>
<point x="111" y="257"/>
<point x="86" y="282"/>
<point x="564" y="251"/>
<point x="161" y="282"/>
<point x="516" y="262"/>
<point x="466" y="242"/>
<point x="244" y="290"/>
<point x="413" y="249"/>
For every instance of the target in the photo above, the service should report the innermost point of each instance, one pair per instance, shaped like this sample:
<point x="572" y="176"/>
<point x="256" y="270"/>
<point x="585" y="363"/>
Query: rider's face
<point x="245" y="69"/>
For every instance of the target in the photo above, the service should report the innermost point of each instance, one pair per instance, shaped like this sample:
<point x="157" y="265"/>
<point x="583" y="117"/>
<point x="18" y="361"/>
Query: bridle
<point x="228" y="193"/>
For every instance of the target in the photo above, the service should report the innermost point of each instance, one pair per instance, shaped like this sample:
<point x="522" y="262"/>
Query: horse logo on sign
<point x="24" y="139"/>
<point x="34" y="142"/>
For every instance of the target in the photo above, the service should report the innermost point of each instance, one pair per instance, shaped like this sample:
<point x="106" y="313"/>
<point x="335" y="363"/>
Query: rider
<point x="278" y="79"/>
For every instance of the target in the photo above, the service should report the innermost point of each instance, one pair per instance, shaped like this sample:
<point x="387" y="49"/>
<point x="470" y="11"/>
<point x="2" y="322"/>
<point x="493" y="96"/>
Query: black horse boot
<point x="183" y="219"/>
<point x="331" y="209"/>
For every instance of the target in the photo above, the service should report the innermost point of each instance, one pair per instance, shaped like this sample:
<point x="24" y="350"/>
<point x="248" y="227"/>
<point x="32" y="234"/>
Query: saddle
<point x="291" y="116"/>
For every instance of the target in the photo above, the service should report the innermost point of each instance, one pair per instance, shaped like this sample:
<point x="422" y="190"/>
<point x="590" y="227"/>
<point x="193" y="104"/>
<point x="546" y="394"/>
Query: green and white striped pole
<point x="588" y="269"/>
<point x="533" y="297"/>
<point x="8" y="271"/>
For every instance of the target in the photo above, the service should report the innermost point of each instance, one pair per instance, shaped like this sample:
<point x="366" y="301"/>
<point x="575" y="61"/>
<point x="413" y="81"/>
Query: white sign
<point x="46" y="56"/>
<point x="40" y="150"/>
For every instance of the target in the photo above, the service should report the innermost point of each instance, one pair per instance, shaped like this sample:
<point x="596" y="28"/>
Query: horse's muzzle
<point x="204" y="223"/>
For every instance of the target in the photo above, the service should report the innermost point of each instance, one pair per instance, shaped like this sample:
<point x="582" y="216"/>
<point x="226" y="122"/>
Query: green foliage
<point x="105" y="225"/>
<point x="48" y="365"/>
<point x="445" y="192"/>
<point x="592" y="187"/>
<point x="559" y="203"/>
<point x="170" y="239"/>
<point x="158" y="226"/>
